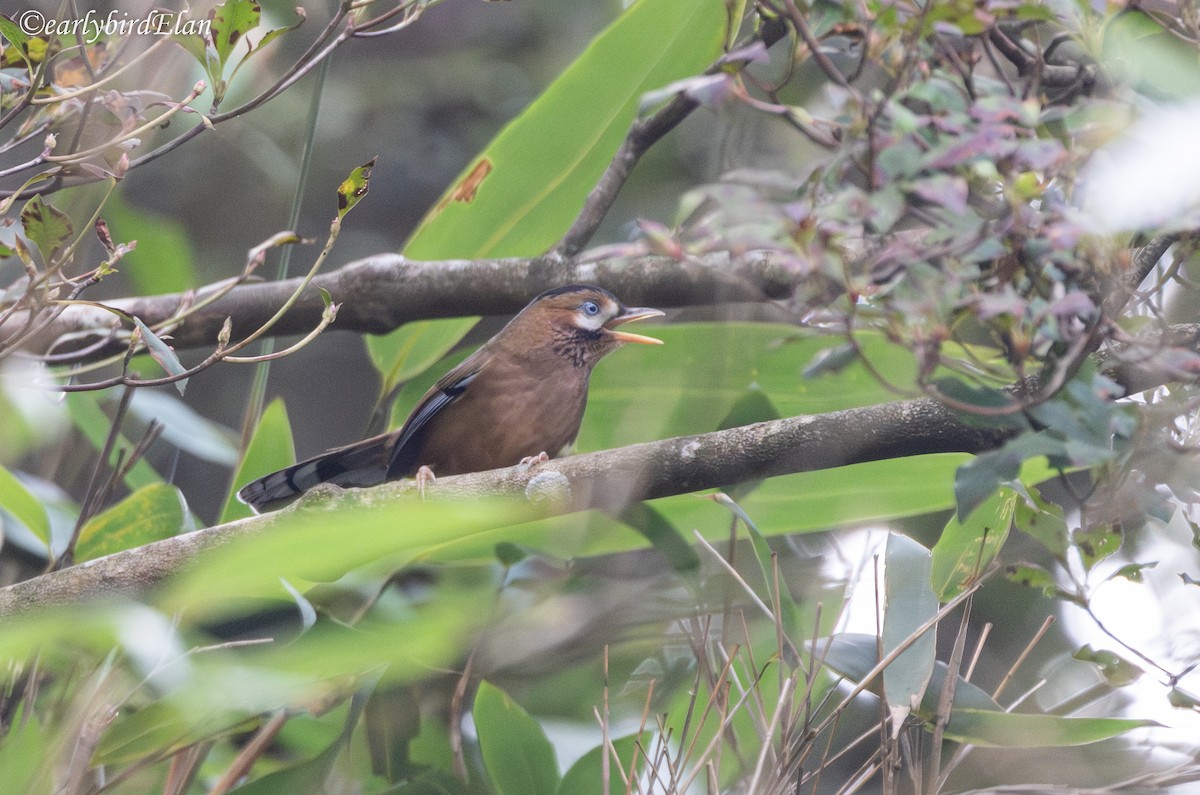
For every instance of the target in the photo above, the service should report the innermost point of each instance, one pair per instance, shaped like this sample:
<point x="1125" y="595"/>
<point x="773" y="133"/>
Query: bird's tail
<point x="361" y="464"/>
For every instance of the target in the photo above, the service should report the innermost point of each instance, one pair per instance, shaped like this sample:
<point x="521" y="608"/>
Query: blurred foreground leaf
<point x="518" y="757"/>
<point x="151" y="513"/>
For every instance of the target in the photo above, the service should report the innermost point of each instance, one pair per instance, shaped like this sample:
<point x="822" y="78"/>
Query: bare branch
<point x="381" y="293"/>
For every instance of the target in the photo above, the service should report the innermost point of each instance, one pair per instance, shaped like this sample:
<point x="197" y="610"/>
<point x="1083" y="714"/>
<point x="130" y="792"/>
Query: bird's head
<point x="582" y="322"/>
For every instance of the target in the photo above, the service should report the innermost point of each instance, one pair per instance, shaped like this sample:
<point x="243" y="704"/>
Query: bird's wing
<point x="447" y="390"/>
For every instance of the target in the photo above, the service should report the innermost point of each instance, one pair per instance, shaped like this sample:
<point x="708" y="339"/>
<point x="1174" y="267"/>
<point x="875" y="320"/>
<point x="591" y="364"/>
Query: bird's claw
<point x="531" y="460"/>
<point x="424" y="477"/>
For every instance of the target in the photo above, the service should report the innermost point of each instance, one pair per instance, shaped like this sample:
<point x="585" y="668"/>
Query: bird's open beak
<point x="628" y="316"/>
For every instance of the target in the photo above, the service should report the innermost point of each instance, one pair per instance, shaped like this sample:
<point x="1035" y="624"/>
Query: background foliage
<point x="969" y="206"/>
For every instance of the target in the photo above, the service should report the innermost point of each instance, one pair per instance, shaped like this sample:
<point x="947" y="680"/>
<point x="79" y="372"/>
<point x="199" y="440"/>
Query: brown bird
<point x="519" y="398"/>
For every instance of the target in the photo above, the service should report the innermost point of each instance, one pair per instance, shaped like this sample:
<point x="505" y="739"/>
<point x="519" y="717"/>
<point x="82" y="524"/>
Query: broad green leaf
<point x="391" y="721"/>
<point x="163" y="260"/>
<point x="231" y="21"/>
<point x="23" y="753"/>
<point x="516" y="754"/>
<point x="909" y="604"/>
<point x="94" y="424"/>
<point x="270" y="449"/>
<point x="308" y="776"/>
<point x="47" y="226"/>
<point x="585" y="777"/>
<point x="1017" y="730"/>
<point x="184" y="427"/>
<point x="979" y="479"/>
<point x="413" y="348"/>
<point x="1141" y="51"/>
<point x="521" y="194"/>
<point x="967" y="548"/>
<point x="158" y="727"/>
<point x="801" y="503"/>
<point x="662" y="535"/>
<point x="149" y="514"/>
<point x="321" y="546"/>
<point x="354" y="187"/>
<point x="18" y="501"/>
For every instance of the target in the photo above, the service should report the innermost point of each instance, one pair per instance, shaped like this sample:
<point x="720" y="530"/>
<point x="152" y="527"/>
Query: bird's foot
<point x="530" y="460"/>
<point x="424" y="477"/>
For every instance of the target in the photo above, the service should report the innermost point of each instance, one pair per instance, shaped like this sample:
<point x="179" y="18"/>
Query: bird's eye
<point x="590" y="308"/>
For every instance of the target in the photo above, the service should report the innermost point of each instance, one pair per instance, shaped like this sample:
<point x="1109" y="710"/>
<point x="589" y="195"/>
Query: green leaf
<point x="12" y="32"/>
<point x="1033" y="576"/>
<point x="23" y="754"/>
<point x="765" y="557"/>
<point x="1043" y="520"/>
<point x="585" y="777"/>
<point x="149" y="514"/>
<point x="161" y="352"/>
<point x="94" y="424"/>
<point x="1115" y="669"/>
<point x="18" y="501"/>
<point x="662" y="535"/>
<point x="967" y="548"/>
<point x="976" y="481"/>
<point x="975" y="717"/>
<point x="391" y="720"/>
<point x="413" y="348"/>
<point x="274" y="33"/>
<point x="516" y="754"/>
<point x="270" y="449"/>
<point x="1097" y="542"/>
<point x="160" y="726"/>
<point x="354" y="187"/>
<point x="47" y="226"/>
<point x="308" y="776"/>
<point x="910" y="603"/>
<point x="163" y="260"/>
<point x="231" y="21"/>
<point x="853" y="655"/>
<point x="994" y="729"/>
<point x="184" y="427"/>
<point x="1133" y="571"/>
<point x="521" y="194"/>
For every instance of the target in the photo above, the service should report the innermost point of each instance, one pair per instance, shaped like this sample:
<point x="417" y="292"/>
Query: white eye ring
<point x="590" y="308"/>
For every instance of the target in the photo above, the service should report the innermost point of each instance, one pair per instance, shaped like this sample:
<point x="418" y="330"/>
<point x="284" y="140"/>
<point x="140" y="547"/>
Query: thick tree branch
<point x="381" y="293"/>
<point x="607" y="480"/>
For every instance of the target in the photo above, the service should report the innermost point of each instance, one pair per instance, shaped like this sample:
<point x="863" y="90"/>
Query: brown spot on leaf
<point x="465" y="191"/>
